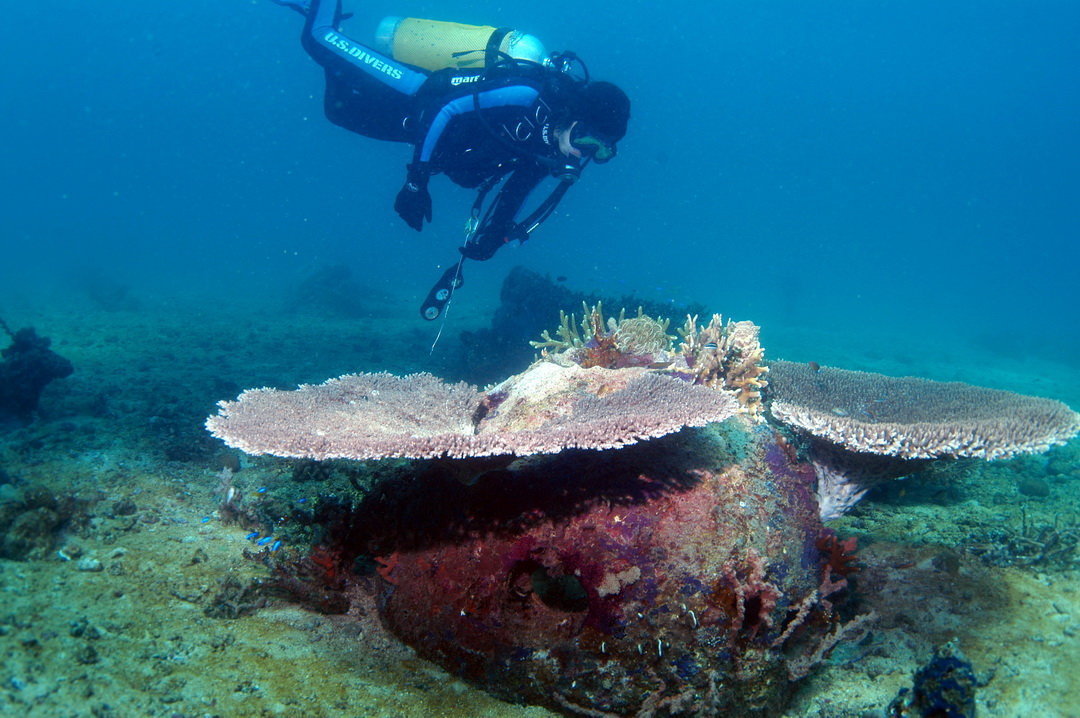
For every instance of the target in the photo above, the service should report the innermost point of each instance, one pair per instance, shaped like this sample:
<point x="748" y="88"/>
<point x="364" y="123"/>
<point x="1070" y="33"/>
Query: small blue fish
<point x="205" y="520"/>
<point x="252" y="535"/>
<point x="264" y="541"/>
<point x="275" y="546"/>
<point x="261" y="490"/>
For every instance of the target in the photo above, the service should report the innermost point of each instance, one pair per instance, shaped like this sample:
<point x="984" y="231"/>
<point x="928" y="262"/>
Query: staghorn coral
<point x="529" y="303"/>
<point x="1033" y="543"/>
<point x="611" y="343"/>
<point x="566" y="337"/>
<point x="727" y="357"/>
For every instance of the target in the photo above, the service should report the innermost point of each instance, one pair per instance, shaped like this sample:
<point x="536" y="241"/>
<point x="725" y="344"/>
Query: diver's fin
<point x="442" y="291"/>
<point x="300" y="6"/>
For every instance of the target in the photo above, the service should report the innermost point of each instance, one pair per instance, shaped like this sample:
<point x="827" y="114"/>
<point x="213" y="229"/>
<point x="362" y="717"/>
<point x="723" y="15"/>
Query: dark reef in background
<point x="330" y="291"/>
<point x="27" y="367"/>
<point x="105" y="291"/>
<point x="530" y="303"/>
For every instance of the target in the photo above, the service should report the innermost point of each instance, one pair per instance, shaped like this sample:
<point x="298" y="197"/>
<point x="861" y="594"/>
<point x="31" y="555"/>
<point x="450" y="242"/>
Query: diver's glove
<point x="413" y="202"/>
<point x="486" y="242"/>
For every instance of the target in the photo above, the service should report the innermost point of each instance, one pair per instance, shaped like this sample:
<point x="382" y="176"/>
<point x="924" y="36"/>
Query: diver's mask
<point x="592" y="144"/>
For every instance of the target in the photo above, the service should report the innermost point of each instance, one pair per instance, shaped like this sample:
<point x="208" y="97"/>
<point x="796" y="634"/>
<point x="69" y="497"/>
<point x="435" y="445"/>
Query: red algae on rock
<point x="676" y="577"/>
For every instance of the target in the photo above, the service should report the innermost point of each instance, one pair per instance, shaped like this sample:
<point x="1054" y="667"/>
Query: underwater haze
<point x="890" y="186"/>
<point x="905" y="169"/>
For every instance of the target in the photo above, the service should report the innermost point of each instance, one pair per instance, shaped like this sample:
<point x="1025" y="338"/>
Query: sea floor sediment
<point x="107" y="614"/>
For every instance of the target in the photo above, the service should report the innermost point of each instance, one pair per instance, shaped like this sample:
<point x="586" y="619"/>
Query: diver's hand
<point x="413" y="203"/>
<point x="486" y="242"/>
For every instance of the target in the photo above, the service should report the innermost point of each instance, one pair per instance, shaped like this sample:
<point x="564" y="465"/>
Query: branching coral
<point x="726" y="356"/>
<point x="1045" y="545"/>
<point x="722" y="356"/>
<point x="566" y="337"/>
<point x="611" y="343"/>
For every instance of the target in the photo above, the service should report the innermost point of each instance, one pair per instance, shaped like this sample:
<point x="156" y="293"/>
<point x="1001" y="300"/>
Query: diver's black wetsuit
<point x="473" y="127"/>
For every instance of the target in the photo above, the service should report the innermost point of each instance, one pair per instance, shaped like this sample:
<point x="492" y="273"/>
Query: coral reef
<point x="529" y="304"/>
<point x="685" y="575"/>
<point x="912" y="418"/>
<point x="676" y="581"/>
<point x="726" y="357"/>
<point x="546" y="409"/>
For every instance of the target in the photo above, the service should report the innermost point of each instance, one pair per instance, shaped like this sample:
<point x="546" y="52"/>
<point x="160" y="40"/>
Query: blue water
<point x="906" y="168"/>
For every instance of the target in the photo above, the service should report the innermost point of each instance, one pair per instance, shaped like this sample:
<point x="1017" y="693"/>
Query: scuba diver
<point x="485" y="106"/>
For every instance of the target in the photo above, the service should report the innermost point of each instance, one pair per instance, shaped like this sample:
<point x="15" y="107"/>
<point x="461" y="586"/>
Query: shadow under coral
<point x="501" y="496"/>
<point x="668" y="575"/>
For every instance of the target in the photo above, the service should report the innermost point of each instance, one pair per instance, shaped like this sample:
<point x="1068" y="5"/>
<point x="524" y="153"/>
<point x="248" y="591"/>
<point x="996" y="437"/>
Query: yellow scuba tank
<point x="436" y="45"/>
